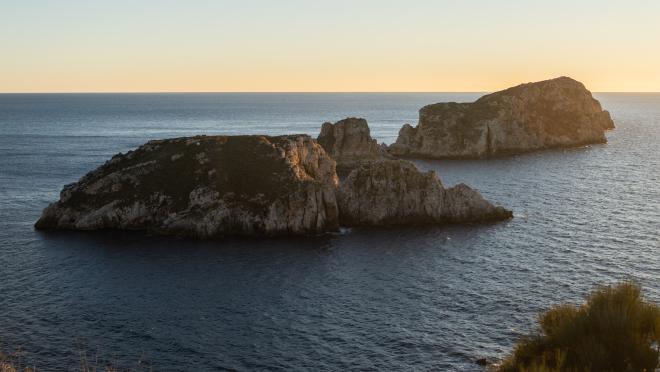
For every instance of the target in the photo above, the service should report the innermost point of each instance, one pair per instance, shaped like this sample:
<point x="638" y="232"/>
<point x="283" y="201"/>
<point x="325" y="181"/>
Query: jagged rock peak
<point x="349" y="142"/>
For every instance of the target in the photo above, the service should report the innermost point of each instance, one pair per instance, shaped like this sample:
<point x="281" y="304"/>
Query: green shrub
<point x="615" y="330"/>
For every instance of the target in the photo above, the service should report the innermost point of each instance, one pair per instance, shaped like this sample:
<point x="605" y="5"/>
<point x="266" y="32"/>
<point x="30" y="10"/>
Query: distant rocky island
<point x="256" y="185"/>
<point x="535" y="116"/>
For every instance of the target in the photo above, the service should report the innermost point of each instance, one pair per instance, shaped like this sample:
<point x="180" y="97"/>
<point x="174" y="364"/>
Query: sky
<point x="323" y="45"/>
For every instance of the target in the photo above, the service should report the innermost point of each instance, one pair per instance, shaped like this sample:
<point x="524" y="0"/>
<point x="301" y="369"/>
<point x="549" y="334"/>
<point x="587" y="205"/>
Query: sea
<point x="395" y="299"/>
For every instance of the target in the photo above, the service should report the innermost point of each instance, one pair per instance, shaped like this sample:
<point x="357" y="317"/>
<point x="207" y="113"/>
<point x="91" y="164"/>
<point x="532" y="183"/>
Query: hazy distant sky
<point x="338" y="45"/>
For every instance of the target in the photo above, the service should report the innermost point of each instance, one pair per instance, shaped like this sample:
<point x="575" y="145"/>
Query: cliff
<point x="206" y="187"/>
<point x="395" y="192"/>
<point x="548" y="114"/>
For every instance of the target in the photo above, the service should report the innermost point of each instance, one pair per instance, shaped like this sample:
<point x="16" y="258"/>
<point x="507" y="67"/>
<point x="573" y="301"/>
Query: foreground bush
<point x="615" y="330"/>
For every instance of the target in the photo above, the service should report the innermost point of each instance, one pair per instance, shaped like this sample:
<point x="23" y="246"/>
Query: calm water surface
<point x="396" y="299"/>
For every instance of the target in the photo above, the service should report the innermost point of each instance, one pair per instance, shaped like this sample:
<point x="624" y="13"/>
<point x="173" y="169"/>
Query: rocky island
<point x="548" y="114"/>
<point x="205" y="187"/>
<point x="214" y="186"/>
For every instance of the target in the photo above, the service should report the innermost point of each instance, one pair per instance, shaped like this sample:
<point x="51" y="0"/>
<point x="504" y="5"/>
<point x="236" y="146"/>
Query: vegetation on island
<point x="616" y="329"/>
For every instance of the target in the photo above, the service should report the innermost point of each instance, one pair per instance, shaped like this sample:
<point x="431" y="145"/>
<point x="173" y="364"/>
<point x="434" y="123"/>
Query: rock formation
<point x="349" y="142"/>
<point x="548" y="114"/>
<point x="395" y="192"/>
<point x="206" y="187"/>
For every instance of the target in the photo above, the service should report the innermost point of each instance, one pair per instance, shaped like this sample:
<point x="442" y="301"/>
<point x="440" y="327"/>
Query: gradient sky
<point x="338" y="45"/>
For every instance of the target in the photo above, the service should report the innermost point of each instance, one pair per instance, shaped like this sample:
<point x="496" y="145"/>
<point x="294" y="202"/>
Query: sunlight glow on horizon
<point x="326" y="46"/>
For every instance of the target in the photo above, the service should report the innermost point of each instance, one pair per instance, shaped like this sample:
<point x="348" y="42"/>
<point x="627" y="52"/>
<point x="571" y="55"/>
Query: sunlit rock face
<point x="349" y="142"/>
<point x="395" y="192"/>
<point x="206" y="187"/>
<point x="548" y="114"/>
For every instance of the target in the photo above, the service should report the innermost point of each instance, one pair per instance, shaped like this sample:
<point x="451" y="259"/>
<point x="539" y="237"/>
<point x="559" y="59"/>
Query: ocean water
<point x="368" y="299"/>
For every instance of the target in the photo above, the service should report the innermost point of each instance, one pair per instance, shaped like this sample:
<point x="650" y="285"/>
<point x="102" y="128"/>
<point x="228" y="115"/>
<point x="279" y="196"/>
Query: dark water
<point x="397" y="299"/>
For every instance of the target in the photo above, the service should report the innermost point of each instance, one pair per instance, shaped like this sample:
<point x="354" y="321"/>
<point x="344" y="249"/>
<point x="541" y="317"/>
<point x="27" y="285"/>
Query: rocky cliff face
<point x="206" y="187"/>
<point x="349" y="142"/>
<point x="548" y="114"/>
<point x="395" y="192"/>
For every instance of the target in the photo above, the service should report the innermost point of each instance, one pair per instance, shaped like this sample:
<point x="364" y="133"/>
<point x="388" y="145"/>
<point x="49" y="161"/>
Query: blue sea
<point x="368" y="299"/>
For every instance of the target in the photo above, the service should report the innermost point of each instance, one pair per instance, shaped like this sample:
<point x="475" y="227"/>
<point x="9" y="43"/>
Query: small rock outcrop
<point x="349" y="142"/>
<point x="548" y="114"/>
<point x="206" y="187"/>
<point x="395" y="192"/>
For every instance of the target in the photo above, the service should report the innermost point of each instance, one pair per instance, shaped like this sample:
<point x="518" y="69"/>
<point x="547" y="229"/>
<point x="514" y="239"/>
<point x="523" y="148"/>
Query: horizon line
<point x="290" y="92"/>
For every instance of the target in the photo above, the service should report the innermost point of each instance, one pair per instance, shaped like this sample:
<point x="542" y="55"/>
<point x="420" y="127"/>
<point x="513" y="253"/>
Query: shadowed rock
<point x="395" y="192"/>
<point x="206" y="187"/>
<point x="548" y="114"/>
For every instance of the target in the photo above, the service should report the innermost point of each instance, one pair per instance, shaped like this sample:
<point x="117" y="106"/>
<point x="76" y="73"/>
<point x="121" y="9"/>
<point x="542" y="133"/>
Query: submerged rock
<point x="349" y="142"/>
<point x="206" y="187"/>
<point x="395" y="192"/>
<point x="548" y="114"/>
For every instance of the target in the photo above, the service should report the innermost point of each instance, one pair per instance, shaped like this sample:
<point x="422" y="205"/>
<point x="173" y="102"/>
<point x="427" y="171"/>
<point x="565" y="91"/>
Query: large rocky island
<point x="548" y="114"/>
<point x="207" y="187"/>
